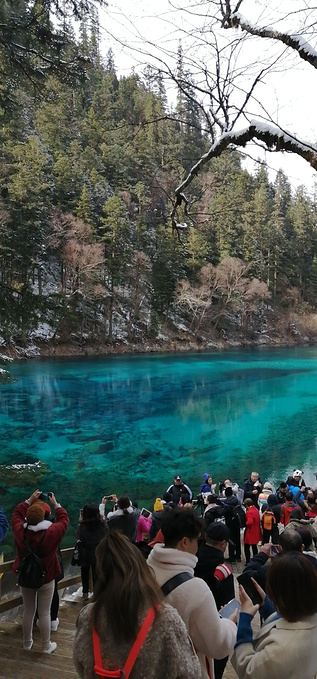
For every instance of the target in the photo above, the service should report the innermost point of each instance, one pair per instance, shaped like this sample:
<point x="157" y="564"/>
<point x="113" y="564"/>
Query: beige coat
<point x="212" y="636"/>
<point x="280" y="650"/>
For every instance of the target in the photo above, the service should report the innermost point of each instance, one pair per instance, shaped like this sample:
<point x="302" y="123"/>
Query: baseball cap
<point x="218" y="531"/>
<point x="177" y="478"/>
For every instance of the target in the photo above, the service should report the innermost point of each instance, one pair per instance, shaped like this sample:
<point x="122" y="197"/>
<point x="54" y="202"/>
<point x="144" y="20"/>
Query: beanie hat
<point x="158" y="506"/>
<point x="35" y="513"/>
<point x="206" y="477"/>
<point x="267" y="486"/>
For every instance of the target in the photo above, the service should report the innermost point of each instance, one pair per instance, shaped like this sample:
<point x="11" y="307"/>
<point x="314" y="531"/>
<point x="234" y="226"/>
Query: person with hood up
<point x="28" y="521"/>
<point x="296" y="485"/>
<point x="208" y="486"/>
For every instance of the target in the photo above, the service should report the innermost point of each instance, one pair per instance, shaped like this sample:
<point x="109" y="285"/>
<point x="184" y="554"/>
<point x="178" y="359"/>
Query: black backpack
<point x="240" y="516"/>
<point x="31" y="572"/>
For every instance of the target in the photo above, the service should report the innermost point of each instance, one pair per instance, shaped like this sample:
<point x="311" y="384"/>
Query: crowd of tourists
<point x="161" y="581"/>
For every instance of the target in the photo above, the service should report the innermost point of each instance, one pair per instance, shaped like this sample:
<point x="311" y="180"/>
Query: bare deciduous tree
<point x="222" y="290"/>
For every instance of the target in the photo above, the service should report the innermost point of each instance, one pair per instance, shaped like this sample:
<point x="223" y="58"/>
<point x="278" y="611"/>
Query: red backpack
<point x="286" y="510"/>
<point x="135" y="650"/>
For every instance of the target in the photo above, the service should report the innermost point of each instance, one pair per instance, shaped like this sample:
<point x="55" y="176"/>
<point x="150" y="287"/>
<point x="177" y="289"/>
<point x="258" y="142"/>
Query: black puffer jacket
<point x="90" y="533"/>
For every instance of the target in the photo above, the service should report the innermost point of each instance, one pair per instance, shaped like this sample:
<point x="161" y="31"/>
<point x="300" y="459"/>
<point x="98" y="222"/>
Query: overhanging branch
<point x="274" y="139"/>
<point x="293" y="40"/>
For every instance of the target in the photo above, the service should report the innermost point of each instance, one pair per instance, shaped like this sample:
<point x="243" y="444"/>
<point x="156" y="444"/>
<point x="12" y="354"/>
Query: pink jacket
<point x="144" y="526"/>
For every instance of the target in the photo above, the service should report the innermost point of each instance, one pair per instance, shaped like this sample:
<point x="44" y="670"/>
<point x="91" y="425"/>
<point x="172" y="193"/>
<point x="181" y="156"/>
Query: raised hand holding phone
<point x="247" y="605"/>
<point x="251" y="588"/>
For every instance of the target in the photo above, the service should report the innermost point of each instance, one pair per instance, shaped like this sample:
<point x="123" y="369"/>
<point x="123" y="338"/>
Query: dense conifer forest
<point x="89" y="164"/>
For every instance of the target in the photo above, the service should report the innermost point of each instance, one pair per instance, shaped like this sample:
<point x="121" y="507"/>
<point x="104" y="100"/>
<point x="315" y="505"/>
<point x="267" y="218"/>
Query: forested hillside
<point x="89" y="166"/>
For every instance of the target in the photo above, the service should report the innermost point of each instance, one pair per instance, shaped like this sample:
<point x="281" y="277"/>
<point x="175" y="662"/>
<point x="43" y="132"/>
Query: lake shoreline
<point x="69" y="350"/>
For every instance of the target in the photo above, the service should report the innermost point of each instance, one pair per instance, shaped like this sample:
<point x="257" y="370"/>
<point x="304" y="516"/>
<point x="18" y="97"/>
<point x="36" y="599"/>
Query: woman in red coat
<point x="28" y="521"/>
<point x="252" y="533"/>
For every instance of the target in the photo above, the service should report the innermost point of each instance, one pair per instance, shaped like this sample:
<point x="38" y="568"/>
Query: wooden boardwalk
<point x="15" y="663"/>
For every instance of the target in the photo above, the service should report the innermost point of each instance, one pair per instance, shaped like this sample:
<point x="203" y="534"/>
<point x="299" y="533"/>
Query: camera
<point x="45" y="496"/>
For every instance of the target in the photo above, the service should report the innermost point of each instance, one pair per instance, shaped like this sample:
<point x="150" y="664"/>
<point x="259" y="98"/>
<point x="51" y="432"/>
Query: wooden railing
<point x="14" y="601"/>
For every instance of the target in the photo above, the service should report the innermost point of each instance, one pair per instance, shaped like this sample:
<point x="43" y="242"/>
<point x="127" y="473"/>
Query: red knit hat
<point x="36" y="512"/>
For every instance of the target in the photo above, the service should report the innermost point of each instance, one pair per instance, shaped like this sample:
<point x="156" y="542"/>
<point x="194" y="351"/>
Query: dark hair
<point x="289" y="496"/>
<point x="91" y="513"/>
<point x="180" y="523"/>
<point x="185" y="498"/>
<point x="305" y="535"/>
<point x="212" y="497"/>
<point x="292" y="586"/>
<point x="283" y="484"/>
<point x="125" y="588"/>
<point x="296" y="513"/>
<point x="290" y="541"/>
<point x="248" y="502"/>
<point x="228" y="491"/>
<point x="124" y="503"/>
<point x="167" y="497"/>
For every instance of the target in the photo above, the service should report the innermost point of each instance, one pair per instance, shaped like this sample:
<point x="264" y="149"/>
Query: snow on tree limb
<point x="292" y="40"/>
<point x="274" y="138"/>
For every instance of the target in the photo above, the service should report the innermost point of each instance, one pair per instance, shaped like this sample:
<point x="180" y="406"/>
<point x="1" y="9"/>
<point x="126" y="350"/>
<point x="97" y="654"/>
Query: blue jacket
<point x="296" y="492"/>
<point x="205" y="487"/>
<point x="4" y="525"/>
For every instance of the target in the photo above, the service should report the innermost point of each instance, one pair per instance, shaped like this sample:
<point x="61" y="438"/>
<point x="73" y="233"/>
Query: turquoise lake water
<point x="128" y="424"/>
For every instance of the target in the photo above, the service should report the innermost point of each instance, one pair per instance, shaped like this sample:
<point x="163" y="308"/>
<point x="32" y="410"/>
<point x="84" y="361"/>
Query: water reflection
<point x="126" y="424"/>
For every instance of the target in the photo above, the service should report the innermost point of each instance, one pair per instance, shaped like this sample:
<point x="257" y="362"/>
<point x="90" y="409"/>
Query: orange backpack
<point x="268" y="519"/>
<point x="135" y="650"/>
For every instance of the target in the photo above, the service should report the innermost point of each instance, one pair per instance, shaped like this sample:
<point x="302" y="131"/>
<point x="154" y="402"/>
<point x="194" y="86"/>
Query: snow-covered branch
<point x="292" y="40"/>
<point x="274" y="138"/>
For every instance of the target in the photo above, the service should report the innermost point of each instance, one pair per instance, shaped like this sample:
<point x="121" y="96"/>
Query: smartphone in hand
<point x="230" y="608"/>
<point x="245" y="580"/>
<point x="275" y="549"/>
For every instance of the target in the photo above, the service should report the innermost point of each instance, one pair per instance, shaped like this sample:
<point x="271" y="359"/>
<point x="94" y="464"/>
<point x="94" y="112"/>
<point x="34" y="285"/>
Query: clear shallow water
<point x="128" y="424"/>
